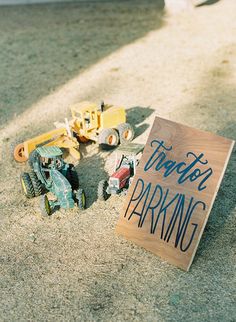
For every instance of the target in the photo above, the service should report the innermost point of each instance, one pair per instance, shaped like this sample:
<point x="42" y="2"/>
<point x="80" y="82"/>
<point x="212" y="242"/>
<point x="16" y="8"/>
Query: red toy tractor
<point x="125" y="169"/>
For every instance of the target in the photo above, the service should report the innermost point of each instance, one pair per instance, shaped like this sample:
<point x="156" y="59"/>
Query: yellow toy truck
<point x="105" y="124"/>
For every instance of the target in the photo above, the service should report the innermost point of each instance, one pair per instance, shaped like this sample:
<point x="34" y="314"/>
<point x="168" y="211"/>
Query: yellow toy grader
<point x="105" y="124"/>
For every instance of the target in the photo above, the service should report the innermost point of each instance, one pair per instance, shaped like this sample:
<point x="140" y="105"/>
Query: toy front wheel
<point x="126" y="132"/>
<point x="81" y="199"/>
<point x="108" y="138"/>
<point x="102" y="190"/>
<point x="45" y="206"/>
<point x="27" y="185"/>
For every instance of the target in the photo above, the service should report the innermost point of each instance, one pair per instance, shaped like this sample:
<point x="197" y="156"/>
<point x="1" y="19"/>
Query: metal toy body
<point x="125" y="169"/>
<point x="105" y="124"/>
<point x="57" y="137"/>
<point x="51" y="173"/>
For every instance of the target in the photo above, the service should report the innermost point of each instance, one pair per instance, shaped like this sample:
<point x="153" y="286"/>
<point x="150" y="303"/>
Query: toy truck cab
<point x="85" y="117"/>
<point x="46" y="159"/>
<point x="127" y="159"/>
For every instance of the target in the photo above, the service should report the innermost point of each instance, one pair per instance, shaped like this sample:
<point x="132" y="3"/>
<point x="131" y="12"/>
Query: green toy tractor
<point x="51" y="173"/>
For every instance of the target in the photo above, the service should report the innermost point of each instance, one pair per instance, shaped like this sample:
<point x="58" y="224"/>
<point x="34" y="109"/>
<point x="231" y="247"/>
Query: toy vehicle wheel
<point x="27" y="185"/>
<point x="108" y="138"/>
<point x="102" y="190"/>
<point x="38" y="187"/>
<point x="45" y="206"/>
<point x="19" y="153"/>
<point x="72" y="177"/>
<point x="126" y="132"/>
<point x="81" y="199"/>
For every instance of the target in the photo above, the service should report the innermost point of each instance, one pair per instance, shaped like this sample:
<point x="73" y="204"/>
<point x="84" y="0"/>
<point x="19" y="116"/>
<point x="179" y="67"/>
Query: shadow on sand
<point x="47" y="45"/>
<point x="207" y="3"/>
<point x="136" y="116"/>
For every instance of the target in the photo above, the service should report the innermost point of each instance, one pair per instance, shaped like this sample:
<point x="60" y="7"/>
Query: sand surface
<point x="72" y="267"/>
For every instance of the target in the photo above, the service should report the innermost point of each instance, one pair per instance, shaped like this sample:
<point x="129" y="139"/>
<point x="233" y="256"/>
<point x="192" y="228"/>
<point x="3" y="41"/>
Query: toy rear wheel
<point x="81" y="199"/>
<point x="102" y="190"/>
<point x="38" y="187"/>
<point x="108" y="138"/>
<point x="126" y="132"/>
<point x="45" y="206"/>
<point x="19" y="153"/>
<point x="27" y="185"/>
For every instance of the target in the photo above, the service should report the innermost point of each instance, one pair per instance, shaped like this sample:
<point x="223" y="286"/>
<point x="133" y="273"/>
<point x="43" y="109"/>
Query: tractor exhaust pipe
<point x="102" y="106"/>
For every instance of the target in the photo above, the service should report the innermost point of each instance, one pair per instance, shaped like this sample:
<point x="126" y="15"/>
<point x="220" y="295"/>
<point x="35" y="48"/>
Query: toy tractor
<point x="105" y="124"/>
<point x="50" y="173"/>
<point x="125" y="169"/>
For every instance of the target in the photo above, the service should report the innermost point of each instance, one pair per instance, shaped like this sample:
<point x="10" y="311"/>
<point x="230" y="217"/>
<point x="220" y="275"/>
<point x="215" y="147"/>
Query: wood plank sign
<point x="172" y="193"/>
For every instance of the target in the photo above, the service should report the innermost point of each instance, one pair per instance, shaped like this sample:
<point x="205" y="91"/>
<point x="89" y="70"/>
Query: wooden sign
<point x="171" y="196"/>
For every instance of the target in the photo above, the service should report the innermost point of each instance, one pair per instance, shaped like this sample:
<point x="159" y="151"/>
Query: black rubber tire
<point x="108" y="138"/>
<point x="72" y="177"/>
<point x="81" y="199"/>
<point x="45" y="206"/>
<point x="32" y="158"/>
<point x="102" y="190"/>
<point x="126" y="132"/>
<point x="27" y="185"/>
<point x="37" y="184"/>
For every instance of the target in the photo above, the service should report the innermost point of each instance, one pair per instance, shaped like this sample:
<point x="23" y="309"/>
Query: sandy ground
<point x="72" y="267"/>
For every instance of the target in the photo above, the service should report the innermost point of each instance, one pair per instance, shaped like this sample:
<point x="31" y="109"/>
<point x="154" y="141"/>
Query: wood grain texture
<point x="171" y="196"/>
